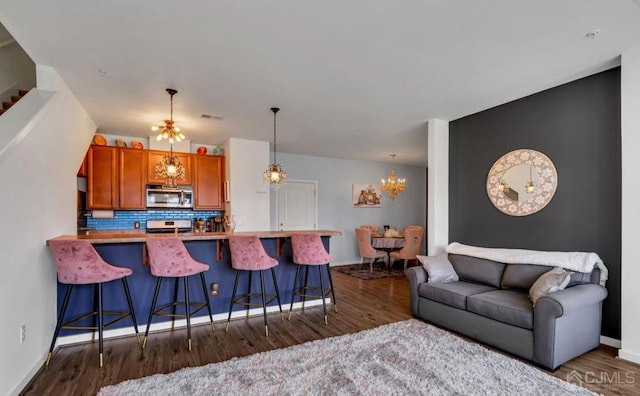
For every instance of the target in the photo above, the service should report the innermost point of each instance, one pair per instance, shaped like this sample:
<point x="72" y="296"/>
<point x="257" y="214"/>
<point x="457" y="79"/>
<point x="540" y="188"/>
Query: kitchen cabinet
<point x="132" y="178"/>
<point x="155" y="157"/>
<point x="102" y="185"/>
<point x="208" y="177"/>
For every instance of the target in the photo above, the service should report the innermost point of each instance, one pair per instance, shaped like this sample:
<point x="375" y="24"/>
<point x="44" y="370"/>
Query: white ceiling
<point x="353" y="79"/>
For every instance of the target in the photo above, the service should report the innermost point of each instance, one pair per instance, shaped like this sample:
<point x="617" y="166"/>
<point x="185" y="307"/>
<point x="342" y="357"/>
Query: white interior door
<point x="297" y="205"/>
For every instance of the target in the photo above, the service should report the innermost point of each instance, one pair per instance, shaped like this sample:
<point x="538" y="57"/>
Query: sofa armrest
<point x="568" y="300"/>
<point x="567" y="323"/>
<point x="416" y="276"/>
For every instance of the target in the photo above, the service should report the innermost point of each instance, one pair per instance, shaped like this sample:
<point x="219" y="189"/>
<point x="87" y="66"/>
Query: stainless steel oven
<point x="162" y="197"/>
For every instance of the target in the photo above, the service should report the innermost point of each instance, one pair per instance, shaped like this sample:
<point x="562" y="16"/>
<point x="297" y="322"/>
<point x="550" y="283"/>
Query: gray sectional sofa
<point x="490" y="304"/>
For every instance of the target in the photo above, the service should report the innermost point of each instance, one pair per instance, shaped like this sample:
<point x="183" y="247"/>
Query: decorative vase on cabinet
<point x="229" y="223"/>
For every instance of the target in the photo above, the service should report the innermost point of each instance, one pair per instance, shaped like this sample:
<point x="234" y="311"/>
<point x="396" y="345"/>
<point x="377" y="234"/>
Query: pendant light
<point x="170" y="168"/>
<point x="274" y="173"/>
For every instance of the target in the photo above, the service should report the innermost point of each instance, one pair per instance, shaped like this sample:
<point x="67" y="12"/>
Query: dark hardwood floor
<point x="362" y="304"/>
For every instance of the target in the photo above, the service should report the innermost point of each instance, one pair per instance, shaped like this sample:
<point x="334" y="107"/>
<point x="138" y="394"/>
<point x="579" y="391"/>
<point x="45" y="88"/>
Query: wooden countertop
<point x="127" y="236"/>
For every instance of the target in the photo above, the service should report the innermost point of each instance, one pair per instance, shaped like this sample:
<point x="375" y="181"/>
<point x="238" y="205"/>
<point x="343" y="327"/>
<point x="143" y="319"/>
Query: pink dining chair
<point x="374" y="228"/>
<point x="248" y="255"/>
<point x="78" y="263"/>
<point x="169" y="258"/>
<point x="363" y="235"/>
<point x="412" y="245"/>
<point x="308" y="250"/>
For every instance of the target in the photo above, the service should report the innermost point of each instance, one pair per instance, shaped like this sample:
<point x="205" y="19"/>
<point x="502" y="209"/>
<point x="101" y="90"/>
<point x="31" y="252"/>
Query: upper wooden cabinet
<point x="132" y="178"/>
<point x="208" y="175"/>
<point x="102" y="186"/>
<point x="117" y="177"/>
<point x="155" y="157"/>
<point x="82" y="171"/>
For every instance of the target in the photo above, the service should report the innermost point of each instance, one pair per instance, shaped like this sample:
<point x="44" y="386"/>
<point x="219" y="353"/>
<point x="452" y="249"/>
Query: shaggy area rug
<point x="361" y="271"/>
<point x="403" y="358"/>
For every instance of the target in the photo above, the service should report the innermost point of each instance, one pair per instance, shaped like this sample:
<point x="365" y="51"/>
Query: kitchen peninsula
<point x="127" y="249"/>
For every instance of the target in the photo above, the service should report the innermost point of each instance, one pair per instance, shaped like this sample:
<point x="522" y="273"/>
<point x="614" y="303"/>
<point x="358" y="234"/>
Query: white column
<point x="249" y="193"/>
<point x="630" y="87"/>
<point x="438" y="186"/>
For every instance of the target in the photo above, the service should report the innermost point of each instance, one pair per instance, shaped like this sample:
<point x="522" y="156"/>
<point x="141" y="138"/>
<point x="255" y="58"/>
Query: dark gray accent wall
<point x="577" y="125"/>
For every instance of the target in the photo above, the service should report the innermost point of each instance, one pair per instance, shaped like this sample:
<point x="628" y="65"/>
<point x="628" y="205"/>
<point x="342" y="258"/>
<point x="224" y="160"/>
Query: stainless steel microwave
<point x="162" y="197"/>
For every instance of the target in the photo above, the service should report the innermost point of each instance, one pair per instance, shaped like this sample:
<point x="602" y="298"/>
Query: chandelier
<point x="170" y="168"/>
<point x="169" y="130"/>
<point x="274" y="173"/>
<point x="393" y="186"/>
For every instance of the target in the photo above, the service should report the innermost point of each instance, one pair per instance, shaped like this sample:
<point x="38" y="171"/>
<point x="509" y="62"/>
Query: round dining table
<point x="388" y="244"/>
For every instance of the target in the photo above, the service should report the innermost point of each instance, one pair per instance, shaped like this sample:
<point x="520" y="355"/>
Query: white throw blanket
<point x="573" y="261"/>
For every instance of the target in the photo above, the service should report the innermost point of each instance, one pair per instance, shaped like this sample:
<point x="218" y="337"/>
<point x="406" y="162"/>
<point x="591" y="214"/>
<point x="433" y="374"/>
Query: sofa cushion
<point x="508" y="306"/>
<point x="477" y="270"/>
<point x="452" y="293"/>
<point x="580" y="278"/>
<point x="439" y="268"/>
<point x="552" y="281"/>
<point x="522" y="276"/>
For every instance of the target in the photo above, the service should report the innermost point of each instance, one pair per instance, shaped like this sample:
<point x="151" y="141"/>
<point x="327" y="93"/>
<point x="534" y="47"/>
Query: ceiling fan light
<point x="154" y="128"/>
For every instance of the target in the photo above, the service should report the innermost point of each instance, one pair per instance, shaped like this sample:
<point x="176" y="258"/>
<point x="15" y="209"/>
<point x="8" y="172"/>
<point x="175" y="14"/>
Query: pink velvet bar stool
<point x="308" y="250"/>
<point x="248" y="255"/>
<point x="78" y="263"/>
<point x="169" y="258"/>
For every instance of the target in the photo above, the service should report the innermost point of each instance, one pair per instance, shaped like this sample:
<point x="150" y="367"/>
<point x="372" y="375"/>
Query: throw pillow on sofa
<point x="555" y="280"/>
<point x="439" y="268"/>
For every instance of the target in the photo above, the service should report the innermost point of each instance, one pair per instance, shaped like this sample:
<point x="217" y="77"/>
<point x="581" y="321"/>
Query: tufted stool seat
<point x="308" y="250"/>
<point x="78" y="263"/>
<point x="169" y="258"/>
<point x="248" y="255"/>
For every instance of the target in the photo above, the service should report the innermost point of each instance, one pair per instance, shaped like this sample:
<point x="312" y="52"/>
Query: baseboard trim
<point x="610" y="342"/>
<point x="629" y="355"/>
<point x="28" y="377"/>
<point x="221" y="317"/>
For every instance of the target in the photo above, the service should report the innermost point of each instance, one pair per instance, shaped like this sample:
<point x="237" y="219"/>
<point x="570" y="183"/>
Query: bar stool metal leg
<point x="293" y="292"/>
<point x="153" y="308"/>
<point x="333" y="293"/>
<point x="206" y="298"/>
<point x="100" y="323"/>
<point x="95" y="313"/>
<point x="233" y="297"/>
<point x="304" y="289"/>
<point x="187" y="310"/>
<point x="249" y="293"/>
<point x="176" y="287"/>
<point x="130" y="303"/>
<point x="275" y="285"/>
<point x="264" y="304"/>
<point x="324" y="303"/>
<point x="63" y="309"/>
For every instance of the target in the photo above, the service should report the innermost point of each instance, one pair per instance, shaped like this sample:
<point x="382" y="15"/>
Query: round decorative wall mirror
<point x="522" y="182"/>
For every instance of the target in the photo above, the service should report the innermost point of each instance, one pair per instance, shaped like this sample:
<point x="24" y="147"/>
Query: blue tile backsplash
<point x="125" y="219"/>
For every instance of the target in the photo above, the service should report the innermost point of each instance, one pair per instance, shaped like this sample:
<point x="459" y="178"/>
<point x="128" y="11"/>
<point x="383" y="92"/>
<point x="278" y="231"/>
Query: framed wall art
<point x="366" y="195"/>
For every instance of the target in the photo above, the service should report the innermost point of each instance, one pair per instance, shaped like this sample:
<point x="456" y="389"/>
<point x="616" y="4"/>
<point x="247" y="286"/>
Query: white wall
<point x="38" y="201"/>
<point x="630" y="87"/>
<point x="335" y="178"/>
